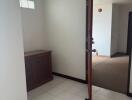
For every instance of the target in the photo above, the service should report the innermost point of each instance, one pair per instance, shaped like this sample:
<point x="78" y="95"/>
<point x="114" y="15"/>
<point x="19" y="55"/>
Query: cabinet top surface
<point x="35" y="52"/>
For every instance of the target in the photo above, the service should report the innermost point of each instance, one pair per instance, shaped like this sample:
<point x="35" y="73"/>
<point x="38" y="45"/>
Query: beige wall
<point x="123" y="22"/>
<point x="65" y="25"/>
<point x="115" y="29"/>
<point x="34" y="34"/>
<point x="110" y="28"/>
<point x="12" y="69"/>
<point x="119" y="33"/>
<point x="59" y="26"/>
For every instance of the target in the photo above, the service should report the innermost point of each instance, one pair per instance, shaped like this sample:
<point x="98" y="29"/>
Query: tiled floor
<point x="64" y="89"/>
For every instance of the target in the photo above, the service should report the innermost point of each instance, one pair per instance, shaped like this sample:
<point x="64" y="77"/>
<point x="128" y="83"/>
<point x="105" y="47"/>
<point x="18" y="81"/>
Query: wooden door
<point x="89" y="16"/>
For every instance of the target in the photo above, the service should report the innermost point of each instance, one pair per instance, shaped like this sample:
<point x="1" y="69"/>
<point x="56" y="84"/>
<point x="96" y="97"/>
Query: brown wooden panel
<point x="38" y="68"/>
<point x="89" y="16"/>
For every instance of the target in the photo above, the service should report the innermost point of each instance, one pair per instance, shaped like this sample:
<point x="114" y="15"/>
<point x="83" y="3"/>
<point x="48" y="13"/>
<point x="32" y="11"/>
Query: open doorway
<point x="110" y="61"/>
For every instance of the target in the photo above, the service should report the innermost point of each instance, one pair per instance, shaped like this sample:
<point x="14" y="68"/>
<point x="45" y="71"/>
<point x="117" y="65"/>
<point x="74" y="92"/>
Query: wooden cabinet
<point x="38" y="68"/>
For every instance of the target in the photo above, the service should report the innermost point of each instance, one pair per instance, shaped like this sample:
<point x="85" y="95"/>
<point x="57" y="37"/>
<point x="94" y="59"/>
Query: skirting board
<point x="117" y="54"/>
<point x="70" y="77"/>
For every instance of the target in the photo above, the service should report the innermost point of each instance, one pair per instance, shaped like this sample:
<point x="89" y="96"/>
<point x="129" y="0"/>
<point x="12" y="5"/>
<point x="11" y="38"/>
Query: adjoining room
<point x="110" y="33"/>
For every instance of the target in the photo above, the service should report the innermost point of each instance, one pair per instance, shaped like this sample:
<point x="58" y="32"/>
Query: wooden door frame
<point x="129" y="69"/>
<point x="129" y="73"/>
<point x="89" y="17"/>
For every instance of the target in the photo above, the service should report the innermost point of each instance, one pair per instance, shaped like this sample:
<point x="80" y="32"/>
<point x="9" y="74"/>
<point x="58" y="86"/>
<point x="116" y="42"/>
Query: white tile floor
<point x="64" y="89"/>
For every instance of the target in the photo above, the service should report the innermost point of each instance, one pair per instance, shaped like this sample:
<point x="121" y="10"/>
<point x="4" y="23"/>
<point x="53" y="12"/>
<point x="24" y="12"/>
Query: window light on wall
<point x="27" y="4"/>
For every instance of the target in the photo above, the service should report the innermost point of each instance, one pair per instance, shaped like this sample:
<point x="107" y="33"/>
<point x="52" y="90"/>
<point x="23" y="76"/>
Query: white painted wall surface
<point x="66" y="22"/>
<point x="12" y="69"/>
<point x="102" y="29"/>
<point x="34" y="35"/>
<point x="123" y="22"/>
<point x="115" y="31"/>
<point x="131" y="76"/>
<point x="119" y="29"/>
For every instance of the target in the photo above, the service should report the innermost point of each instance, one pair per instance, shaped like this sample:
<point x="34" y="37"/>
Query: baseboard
<point x="104" y="56"/>
<point x="70" y="77"/>
<point x="113" y="55"/>
<point x="129" y="94"/>
<point x="117" y="54"/>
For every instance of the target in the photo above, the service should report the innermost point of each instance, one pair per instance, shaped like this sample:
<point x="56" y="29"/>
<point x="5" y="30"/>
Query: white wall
<point x="115" y="31"/>
<point x="124" y="15"/>
<point x="102" y="29"/>
<point x="118" y="29"/>
<point x="66" y="22"/>
<point x="131" y="76"/>
<point x="12" y="69"/>
<point x="35" y="37"/>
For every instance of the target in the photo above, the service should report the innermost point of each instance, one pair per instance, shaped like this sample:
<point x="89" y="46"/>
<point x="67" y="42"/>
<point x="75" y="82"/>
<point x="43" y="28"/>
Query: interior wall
<point x="65" y="25"/>
<point x="115" y="31"/>
<point x="124" y="15"/>
<point x="12" y="69"/>
<point x="102" y="28"/>
<point x="119" y="29"/>
<point x="34" y="35"/>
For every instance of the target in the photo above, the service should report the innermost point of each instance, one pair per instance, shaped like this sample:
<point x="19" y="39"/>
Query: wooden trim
<point x="129" y="73"/>
<point x="89" y="20"/>
<point x="70" y="77"/>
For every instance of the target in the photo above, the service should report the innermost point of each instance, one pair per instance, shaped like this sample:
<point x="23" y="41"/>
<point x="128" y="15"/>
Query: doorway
<point x="110" y="37"/>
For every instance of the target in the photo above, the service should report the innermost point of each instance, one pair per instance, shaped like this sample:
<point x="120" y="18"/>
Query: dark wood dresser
<point x="38" y="68"/>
